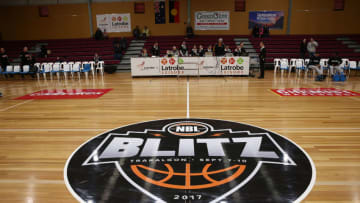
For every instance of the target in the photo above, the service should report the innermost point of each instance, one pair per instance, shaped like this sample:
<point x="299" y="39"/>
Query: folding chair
<point x="284" y="65"/>
<point x="9" y="70"/>
<point x="86" y="69"/>
<point x="300" y="66"/>
<point x="100" y="67"/>
<point x="276" y="64"/>
<point x="325" y="65"/>
<point x="66" y="69"/>
<point x="16" y="70"/>
<point x="292" y="65"/>
<point x="44" y="69"/>
<point x="56" y="69"/>
<point x="345" y="65"/>
<point x="76" y="69"/>
<point x="352" y="66"/>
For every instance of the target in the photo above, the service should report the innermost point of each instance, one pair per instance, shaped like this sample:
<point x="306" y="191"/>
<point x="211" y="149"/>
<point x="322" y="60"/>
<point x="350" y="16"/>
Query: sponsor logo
<point x="329" y="92"/>
<point x="119" y="18"/>
<point x="172" y="61"/>
<point x="164" y="61"/>
<point x="231" y="60"/>
<point x="223" y="60"/>
<point x="199" y="160"/>
<point x="66" y="94"/>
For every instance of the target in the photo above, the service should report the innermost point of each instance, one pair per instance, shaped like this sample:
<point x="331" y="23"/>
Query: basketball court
<point x="39" y="135"/>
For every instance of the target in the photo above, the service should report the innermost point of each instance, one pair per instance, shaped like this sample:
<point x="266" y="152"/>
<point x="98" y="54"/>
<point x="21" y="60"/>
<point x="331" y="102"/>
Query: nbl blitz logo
<point x="195" y="160"/>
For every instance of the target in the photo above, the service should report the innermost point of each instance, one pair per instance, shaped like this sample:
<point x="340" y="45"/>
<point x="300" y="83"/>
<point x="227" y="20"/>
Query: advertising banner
<point x="103" y="22"/>
<point x="66" y="94"/>
<point x="212" y="20"/>
<point x="272" y="19"/>
<point x="193" y="66"/>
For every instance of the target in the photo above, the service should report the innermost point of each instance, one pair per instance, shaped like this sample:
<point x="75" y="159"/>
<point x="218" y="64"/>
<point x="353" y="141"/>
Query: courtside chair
<point x="284" y="65"/>
<point x="9" y="69"/>
<point x="38" y="65"/>
<point x="46" y="68"/>
<point x="352" y="66"/>
<point x="276" y="64"/>
<point x="300" y="66"/>
<point x="100" y="67"/>
<point x="56" y="69"/>
<point x="26" y="69"/>
<point x="292" y="65"/>
<point x="86" y="69"/>
<point x="76" y="69"/>
<point x="16" y="69"/>
<point x="66" y="69"/>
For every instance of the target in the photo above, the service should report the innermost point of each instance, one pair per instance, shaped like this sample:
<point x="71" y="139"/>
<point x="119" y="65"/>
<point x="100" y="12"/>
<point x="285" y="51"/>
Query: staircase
<point x="254" y="58"/>
<point x="133" y="50"/>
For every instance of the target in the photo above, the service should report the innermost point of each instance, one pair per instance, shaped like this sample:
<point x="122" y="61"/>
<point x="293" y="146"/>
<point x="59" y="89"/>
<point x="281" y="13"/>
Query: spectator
<point x="255" y="31"/>
<point x="43" y="52"/>
<point x="266" y="31"/>
<point x="303" y="48"/>
<point x="145" y="32"/>
<point x="4" y="60"/>
<point x="98" y="34"/>
<point x="209" y="50"/>
<point x="194" y="51"/>
<point x="24" y="56"/>
<point x="117" y="52"/>
<point x="201" y="51"/>
<point x="32" y="68"/>
<point x="48" y="53"/>
<point x="58" y="60"/>
<point x="169" y="53"/>
<point x="262" y="58"/>
<point x="261" y="32"/>
<point x="96" y="59"/>
<point x="105" y="35"/>
<point x="175" y="52"/>
<point x="155" y="50"/>
<point x="227" y="50"/>
<point x="314" y="64"/>
<point x="240" y="50"/>
<point x="136" y="32"/>
<point x="335" y="62"/>
<point x="144" y="52"/>
<point x="311" y="47"/>
<point x="219" y="48"/>
<point x="189" y="31"/>
<point x="183" y="49"/>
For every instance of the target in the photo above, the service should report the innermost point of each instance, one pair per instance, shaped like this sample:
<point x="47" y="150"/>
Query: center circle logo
<point x="197" y="160"/>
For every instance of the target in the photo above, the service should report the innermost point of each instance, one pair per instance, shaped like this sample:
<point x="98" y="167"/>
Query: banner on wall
<point x="120" y="22"/>
<point x="174" y="11"/>
<point x="103" y="22"/>
<point x="114" y="22"/>
<point x="212" y="20"/>
<point x="159" y="10"/>
<point x="272" y="19"/>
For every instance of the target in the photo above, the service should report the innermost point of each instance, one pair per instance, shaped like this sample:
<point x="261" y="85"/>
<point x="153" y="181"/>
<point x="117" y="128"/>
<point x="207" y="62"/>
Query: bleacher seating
<point x="288" y="46"/>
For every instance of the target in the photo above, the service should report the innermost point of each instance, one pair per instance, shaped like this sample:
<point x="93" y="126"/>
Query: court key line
<point x="13" y="106"/>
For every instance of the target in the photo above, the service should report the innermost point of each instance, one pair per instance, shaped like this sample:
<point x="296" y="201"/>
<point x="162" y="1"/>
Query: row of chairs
<point x="301" y="65"/>
<point x="58" y="68"/>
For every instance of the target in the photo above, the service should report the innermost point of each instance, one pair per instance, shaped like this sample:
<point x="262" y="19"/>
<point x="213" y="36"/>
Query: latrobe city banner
<point x="272" y="19"/>
<point x="114" y="22"/>
<point x="212" y="20"/>
<point x="157" y="66"/>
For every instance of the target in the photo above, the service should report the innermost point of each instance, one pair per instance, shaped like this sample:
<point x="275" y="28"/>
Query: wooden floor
<point x="37" y="136"/>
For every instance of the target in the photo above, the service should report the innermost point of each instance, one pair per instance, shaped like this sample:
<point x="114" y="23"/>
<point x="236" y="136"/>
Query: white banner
<point x="103" y="22"/>
<point x="120" y="22"/>
<point x="212" y="20"/>
<point x="193" y="66"/>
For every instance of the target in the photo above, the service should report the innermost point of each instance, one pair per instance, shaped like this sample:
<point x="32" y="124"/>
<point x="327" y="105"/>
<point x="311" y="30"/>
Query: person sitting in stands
<point x="240" y="50"/>
<point x="334" y="63"/>
<point x="25" y="58"/>
<point x="155" y="50"/>
<point x="123" y="43"/>
<point x="32" y="68"/>
<point x="43" y="52"/>
<point x="303" y="48"/>
<point x="98" y="34"/>
<point x="314" y="64"/>
<point x="145" y="32"/>
<point x="219" y="48"/>
<point x="194" y="51"/>
<point x="4" y="60"/>
<point x="183" y="49"/>
<point x="227" y="50"/>
<point x="144" y="52"/>
<point x="201" y="51"/>
<point x="175" y="52"/>
<point x="169" y="53"/>
<point x="58" y="60"/>
<point x="117" y="52"/>
<point x="136" y="32"/>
